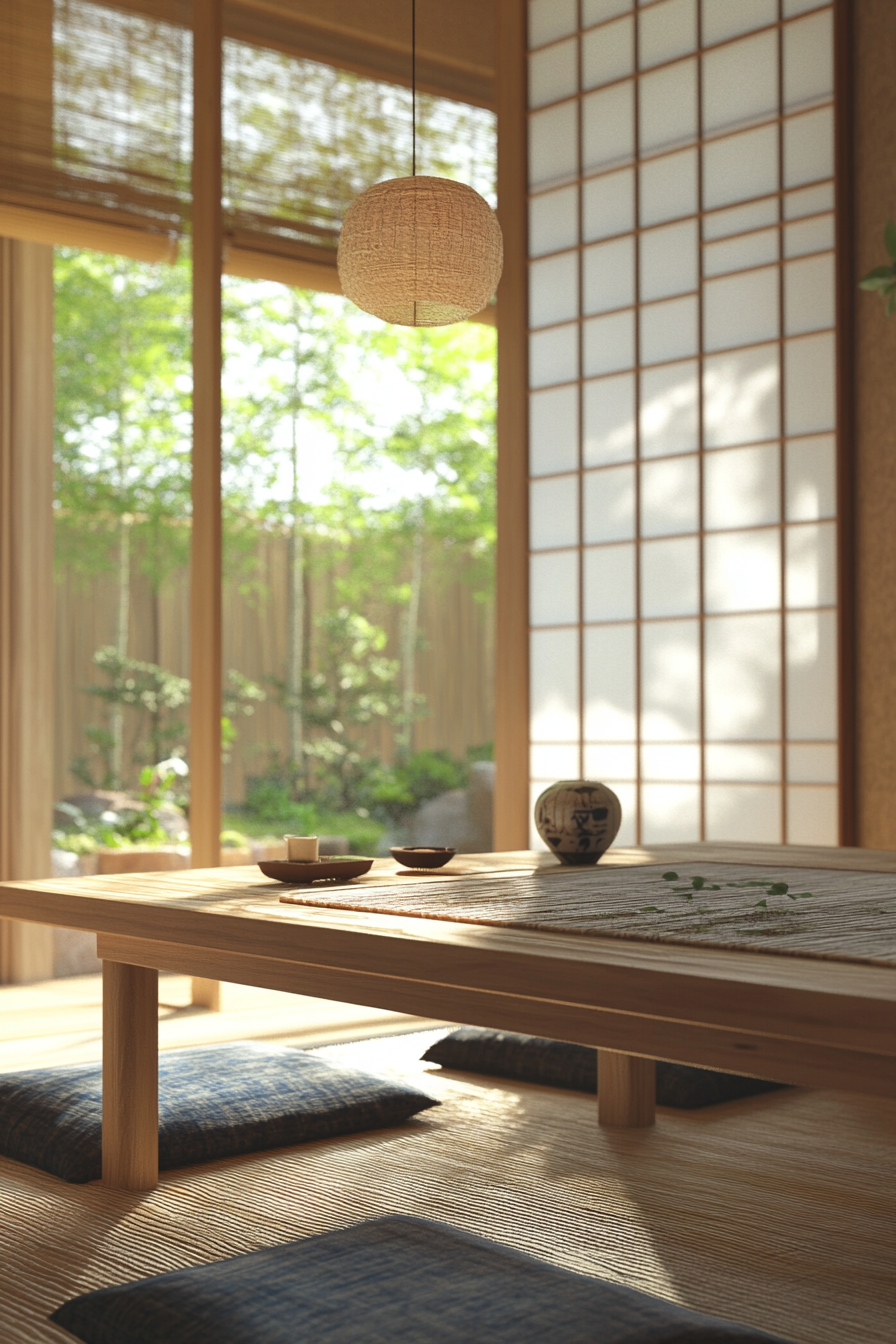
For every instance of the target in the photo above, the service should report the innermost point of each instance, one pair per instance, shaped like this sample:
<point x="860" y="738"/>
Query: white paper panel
<point x="609" y="411"/>
<point x="723" y="19"/>
<point x="554" y="588"/>
<point x="596" y="11"/>
<point x="670" y="761"/>
<point x="809" y="59"/>
<point x="812" y="816"/>
<point x="611" y="760"/>
<point x="669" y="260"/>
<point x="670" y="577"/>
<point x="809" y="147"/>
<point x="740" y="309"/>
<point x="554" y="685"/>
<point x="553" y="73"/>
<point x="812" y="763"/>
<point x="553" y="221"/>
<point x="727" y="762"/>
<point x="809" y="235"/>
<point x="669" y="330"/>
<point x="608" y="53"/>
<point x="669" y="187"/>
<point x="738" y="253"/>
<point x="742" y="570"/>
<point x="554" y="512"/>
<point x="665" y="31"/>
<point x="740" y="218"/>
<point x="669" y="406"/>
<point x="608" y="275"/>
<point x="750" y="813"/>
<point x="741" y="391"/>
<point x="609" y="504"/>
<point x="668" y="105"/>
<point x="741" y="487"/>
<point x="743" y="678"/>
<point x="740" y="82"/>
<point x="811" y="565"/>
<point x="554" y="760"/>
<point x="609" y="657"/>
<point x="811" y="480"/>
<point x="791" y="7"/>
<point x="553" y="145"/>
<point x="609" y="343"/>
<point x="812" y="676"/>
<point x="550" y="19"/>
<point x="553" y="430"/>
<point x="809" y="364"/>
<point x="609" y="576"/>
<point x="608" y="131"/>
<point x="739" y="167"/>
<point x="670" y="496"/>
<point x="670" y="679"/>
<point x="608" y="205"/>
<point x="670" y="813"/>
<point x="809" y="294"/>
<point x="809" y="200"/>
<point x="554" y="356"/>
<point x="554" y="289"/>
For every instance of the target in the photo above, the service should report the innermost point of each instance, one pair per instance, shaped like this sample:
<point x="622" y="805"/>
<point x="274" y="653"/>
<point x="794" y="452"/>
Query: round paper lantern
<point x="420" y="251"/>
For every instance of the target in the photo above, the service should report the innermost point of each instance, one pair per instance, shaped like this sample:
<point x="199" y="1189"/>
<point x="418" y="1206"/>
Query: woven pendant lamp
<point x="420" y="251"/>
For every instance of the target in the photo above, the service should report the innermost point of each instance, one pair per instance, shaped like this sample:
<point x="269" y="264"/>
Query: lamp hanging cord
<point x="413" y="88"/>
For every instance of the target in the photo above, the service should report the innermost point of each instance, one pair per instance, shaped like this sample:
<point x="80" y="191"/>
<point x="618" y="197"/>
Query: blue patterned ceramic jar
<point x="578" y="819"/>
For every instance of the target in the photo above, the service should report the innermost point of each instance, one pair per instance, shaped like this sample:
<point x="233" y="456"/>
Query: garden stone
<point x="460" y="818"/>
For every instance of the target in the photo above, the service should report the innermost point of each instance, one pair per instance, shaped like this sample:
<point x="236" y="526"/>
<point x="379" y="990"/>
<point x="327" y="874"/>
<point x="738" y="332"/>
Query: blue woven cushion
<point x="532" y="1059"/>
<point x="387" y="1281"/>
<point x="214" y="1102"/>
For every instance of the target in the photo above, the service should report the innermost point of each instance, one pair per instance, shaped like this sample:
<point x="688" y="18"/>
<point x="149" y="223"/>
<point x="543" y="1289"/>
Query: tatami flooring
<point x="776" y="1210"/>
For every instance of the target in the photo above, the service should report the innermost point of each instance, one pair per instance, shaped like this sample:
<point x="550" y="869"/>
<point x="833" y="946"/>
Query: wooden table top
<point x="231" y="923"/>
<point x="839" y="906"/>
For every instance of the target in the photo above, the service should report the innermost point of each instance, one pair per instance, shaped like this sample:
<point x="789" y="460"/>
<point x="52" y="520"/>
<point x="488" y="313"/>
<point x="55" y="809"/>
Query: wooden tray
<point x="337" y="868"/>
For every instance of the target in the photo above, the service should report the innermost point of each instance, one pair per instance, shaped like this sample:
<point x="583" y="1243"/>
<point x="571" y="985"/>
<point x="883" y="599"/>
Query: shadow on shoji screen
<point x="682" y="427"/>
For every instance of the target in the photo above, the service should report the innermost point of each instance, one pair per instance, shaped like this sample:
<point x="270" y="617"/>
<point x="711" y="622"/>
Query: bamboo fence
<point x="454" y="667"/>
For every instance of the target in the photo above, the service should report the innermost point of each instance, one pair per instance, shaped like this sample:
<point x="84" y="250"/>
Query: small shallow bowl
<point x="337" y="868"/>
<point x="422" y="856"/>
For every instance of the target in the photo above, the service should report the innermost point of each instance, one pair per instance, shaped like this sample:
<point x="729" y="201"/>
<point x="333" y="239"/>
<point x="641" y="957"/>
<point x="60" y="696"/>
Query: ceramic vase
<point x="578" y="819"/>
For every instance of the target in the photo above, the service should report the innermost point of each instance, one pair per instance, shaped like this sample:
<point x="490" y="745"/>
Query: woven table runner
<point x="809" y="912"/>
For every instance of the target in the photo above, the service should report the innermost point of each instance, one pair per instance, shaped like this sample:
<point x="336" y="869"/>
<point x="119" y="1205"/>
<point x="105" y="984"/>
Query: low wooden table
<point x="530" y="958"/>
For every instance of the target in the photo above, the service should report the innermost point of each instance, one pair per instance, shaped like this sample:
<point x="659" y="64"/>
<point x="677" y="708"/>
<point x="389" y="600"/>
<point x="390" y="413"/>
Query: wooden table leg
<point x="206" y="993"/>
<point x="130" y="1076"/>
<point x="626" y="1089"/>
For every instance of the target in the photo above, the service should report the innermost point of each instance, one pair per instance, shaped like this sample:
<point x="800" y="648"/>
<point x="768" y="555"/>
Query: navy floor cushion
<point x="216" y="1101"/>
<point x="391" y="1280"/>
<point x="533" y="1059"/>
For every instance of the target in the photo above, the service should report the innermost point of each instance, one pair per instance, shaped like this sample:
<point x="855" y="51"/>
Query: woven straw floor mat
<point x="774" y="1210"/>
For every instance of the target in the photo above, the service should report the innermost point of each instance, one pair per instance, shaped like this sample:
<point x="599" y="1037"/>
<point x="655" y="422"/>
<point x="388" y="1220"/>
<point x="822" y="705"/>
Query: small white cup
<point x="301" y="848"/>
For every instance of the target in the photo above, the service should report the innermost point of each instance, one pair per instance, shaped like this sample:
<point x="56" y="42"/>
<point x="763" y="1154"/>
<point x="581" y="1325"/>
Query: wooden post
<point x="26" y="495"/>
<point x="130" y="1076"/>
<point x="626" y="1090"/>
<point x="205" y="559"/>
<point x="26" y="591"/>
<point x="511" y="827"/>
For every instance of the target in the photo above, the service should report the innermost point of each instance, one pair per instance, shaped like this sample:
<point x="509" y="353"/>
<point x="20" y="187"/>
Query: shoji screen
<point x="683" y="510"/>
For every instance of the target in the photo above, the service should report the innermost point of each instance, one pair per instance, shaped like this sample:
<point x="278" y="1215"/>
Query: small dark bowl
<point x="422" y="856"/>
